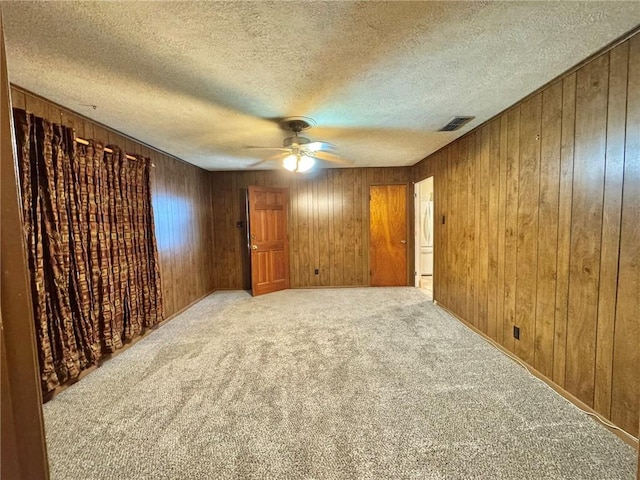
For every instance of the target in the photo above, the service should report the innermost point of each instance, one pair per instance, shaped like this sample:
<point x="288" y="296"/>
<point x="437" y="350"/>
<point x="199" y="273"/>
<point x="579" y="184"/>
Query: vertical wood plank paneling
<point x="159" y="196"/>
<point x="208" y="244"/>
<point x="564" y="228"/>
<point x="302" y="221"/>
<point x="451" y="203"/>
<point x="358" y="235"/>
<point x="452" y="220"/>
<point x="228" y="268"/>
<point x="201" y="253"/>
<point x="310" y="205"/>
<point x="116" y="139"/>
<point x="74" y="121"/>
<point x="308" y="255"/>
<point x="527" y="240"/>
<point x="348" y="227"/>
<point x="447" y="199"/>
<point x="612" y="207"/>
<point x="18" y="99"/>
<point x="626" y="387"/>
<point x="179" y="235"/>
<point x="502" y="192"/>
<point x="492" y="246"/>
<point x="511" y="225"/>
<point x="471" y="227"/>
<point x="548" y="228"/>
<point x="294" y="229"/>
<point x="315" y="279"/>
<point x="313" y="228"/>
<point x="164" y="216"/>
<point x="323" y="229"/>
<point x="337" y="244"/>
<point x="463" y="208"/>
<point x="483" y="194"/>
<point x="219" y="227"/>
<point x="87" y="127"/>
<point x="443" y="219"/>
<point x="37" y="106"/>
<point x="456" y="296"/>
<point x="366" y="276"/>
<point x="446" y="247"/>
<point x="586" y="227"/>
<point x="478" y="232"/>
<point x="130" y="146"/>
<point x="330" y="210"/>
<point x="100" y="133"/>
<point x="560" y="220"/>
<point x="189" y="212"/>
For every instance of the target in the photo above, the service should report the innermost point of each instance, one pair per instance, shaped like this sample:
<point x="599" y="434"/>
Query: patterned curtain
<point x="88" y="223"/>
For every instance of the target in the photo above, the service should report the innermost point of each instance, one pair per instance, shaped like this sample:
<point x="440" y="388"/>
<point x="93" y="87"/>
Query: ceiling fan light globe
<point x="305" y="164"/>
<point x="290" y="162"/>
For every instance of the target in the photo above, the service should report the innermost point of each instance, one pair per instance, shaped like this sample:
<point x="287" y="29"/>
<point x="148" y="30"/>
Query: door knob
<point x="254" y="247"/>
<point x="403" y="242"/>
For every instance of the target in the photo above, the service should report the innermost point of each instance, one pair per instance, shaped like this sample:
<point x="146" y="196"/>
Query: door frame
<point x="408" y="228"/>
<point x="24" y="451"/>
<point x="417" y="221"/>
<point x="416" y="234"/>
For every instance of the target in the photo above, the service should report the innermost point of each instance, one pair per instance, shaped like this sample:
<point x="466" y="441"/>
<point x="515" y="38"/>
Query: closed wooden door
<point x="388" y="235"/>
<point x="268" y="241"/>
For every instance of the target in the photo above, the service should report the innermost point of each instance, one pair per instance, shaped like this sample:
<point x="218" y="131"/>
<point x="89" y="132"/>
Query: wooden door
<point x="269" y="245"/>
<point x="388" y="235"/>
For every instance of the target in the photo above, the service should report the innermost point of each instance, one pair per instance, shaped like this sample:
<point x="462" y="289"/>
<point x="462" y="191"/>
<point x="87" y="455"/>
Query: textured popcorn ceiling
<point x="201" y="80"/>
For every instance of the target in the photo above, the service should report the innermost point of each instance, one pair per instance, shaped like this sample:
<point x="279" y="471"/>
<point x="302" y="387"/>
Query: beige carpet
<point x="322" y="384"/>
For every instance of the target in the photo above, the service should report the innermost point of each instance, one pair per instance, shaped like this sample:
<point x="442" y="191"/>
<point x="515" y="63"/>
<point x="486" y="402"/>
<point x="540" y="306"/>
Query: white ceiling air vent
<point x="456" y="123"/>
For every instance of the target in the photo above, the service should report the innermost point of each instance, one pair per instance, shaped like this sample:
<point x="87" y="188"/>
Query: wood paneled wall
<point x="181" y="201"/>
<point x="542" y="231"/>
<point x="184" y="231"/>
<point x="328" y="224"/>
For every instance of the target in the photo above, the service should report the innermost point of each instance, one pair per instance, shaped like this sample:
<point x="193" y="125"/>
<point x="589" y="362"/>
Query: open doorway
<point x="424" y="235"/>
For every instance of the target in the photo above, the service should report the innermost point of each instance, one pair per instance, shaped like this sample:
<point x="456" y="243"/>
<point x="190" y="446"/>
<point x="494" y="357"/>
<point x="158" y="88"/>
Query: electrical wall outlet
<point x="516" y="332"/>
<point x="317" y="271"/>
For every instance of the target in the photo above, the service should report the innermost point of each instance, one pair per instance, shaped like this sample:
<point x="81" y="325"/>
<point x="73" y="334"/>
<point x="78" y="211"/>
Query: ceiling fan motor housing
<point x="297" y="124"/>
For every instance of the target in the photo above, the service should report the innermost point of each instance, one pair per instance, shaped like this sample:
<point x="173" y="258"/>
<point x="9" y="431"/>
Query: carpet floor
<point x="358" y="383"/>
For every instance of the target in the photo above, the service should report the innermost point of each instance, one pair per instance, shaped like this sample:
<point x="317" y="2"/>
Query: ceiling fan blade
<point x="278" y="157"/>
<point x="257" y="163"/>
<point x="329" y="157"/>
<point x="280" y="149"/>
<point x="319" y="146"/>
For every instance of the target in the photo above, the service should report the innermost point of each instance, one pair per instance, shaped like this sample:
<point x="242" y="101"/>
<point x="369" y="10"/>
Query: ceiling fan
<point x="299" y="154"/>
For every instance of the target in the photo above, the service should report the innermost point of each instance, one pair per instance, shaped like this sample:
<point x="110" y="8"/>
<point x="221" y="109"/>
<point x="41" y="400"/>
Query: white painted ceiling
<point x="202" y="80"/>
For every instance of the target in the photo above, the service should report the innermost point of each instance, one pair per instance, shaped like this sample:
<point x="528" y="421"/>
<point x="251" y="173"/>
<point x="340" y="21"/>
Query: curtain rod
<point x="108" y="150"/>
